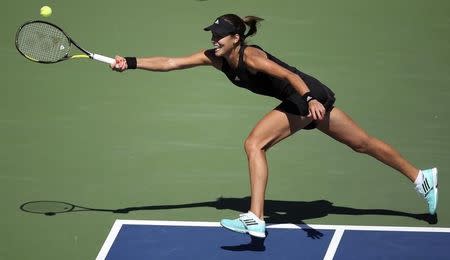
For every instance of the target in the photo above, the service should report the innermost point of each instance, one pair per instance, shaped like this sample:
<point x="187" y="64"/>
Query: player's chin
<point x="218" y="52"/>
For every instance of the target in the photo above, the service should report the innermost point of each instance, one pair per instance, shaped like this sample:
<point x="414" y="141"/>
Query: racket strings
<point x="43" y="42"/>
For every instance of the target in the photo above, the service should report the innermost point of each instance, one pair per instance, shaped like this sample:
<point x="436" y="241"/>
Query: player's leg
<point x="270" y="130"/>
<point x="342" y="128"/>
<point x="274" y="127"/>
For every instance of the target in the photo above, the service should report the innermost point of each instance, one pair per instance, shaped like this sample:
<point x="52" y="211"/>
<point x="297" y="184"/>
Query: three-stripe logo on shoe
<point x="426" y="187"/>
<point x="250" y="222"/>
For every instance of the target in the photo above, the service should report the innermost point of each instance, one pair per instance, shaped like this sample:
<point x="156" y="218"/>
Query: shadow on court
<point x="255" y="244"/>
<point x="276" y="211"/>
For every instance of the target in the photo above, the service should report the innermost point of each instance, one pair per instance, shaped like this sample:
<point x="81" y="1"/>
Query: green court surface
<point x="80" y="133"/>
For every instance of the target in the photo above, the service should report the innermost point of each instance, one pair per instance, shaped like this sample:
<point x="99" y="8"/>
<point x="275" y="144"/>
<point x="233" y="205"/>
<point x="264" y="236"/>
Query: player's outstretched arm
<point x="162" y="63"/>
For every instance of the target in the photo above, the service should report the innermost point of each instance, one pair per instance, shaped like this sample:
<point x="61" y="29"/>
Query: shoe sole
<point x="257" y="234"/>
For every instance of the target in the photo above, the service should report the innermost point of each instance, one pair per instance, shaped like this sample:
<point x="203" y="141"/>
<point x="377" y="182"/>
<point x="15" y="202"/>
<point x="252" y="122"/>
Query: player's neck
<point x="233" y="57"/>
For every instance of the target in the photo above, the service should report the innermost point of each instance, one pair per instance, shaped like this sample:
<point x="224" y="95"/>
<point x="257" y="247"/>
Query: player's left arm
<point x="256" y="60"/>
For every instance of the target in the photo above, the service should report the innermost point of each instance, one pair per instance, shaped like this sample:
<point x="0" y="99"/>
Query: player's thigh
<point x="342" y="128"/>
<point x="274" y="127"/>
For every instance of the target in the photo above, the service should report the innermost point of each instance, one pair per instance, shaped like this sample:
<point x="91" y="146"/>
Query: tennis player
<point x="306" y="103"/>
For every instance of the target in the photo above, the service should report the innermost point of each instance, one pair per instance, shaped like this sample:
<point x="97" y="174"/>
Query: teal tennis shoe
<point x="428" y="189"/>
<point x="246" y="223"/>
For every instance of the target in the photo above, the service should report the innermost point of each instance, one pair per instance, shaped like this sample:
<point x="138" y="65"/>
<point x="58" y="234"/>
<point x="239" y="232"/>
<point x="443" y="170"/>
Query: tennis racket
<point x="44" y="42"/>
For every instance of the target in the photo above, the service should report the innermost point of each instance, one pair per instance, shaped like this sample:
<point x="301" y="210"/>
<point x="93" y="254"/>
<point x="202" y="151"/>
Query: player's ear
<point x="236" y="38"/>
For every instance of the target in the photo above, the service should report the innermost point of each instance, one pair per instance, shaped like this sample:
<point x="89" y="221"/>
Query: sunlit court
<point x="204" y="129"/>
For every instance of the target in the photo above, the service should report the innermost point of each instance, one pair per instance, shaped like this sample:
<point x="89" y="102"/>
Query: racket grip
<point x="102" y="58"/>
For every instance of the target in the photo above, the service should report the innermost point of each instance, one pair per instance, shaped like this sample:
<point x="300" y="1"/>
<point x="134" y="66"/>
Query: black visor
<point x="221" y="27"/>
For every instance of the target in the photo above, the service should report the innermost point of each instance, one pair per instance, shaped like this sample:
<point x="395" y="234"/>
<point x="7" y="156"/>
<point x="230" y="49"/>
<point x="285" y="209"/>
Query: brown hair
<point x="241" y="24"/>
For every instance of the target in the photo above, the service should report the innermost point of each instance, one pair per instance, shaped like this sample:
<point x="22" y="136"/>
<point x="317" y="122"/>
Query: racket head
<point x="48" y="208"/>
<point x="42" y="42"/>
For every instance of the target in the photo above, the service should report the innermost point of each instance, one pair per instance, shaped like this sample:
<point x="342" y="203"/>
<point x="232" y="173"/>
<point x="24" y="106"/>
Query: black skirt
<point x="297" y="105"/>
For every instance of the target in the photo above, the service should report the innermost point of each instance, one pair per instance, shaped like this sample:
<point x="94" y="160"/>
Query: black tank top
<point x="264" y="84"/>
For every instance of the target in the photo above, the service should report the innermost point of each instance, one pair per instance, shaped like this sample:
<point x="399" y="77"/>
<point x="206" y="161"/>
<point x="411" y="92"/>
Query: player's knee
<point x="361" y="146"/>
<point x="252" y="145"/>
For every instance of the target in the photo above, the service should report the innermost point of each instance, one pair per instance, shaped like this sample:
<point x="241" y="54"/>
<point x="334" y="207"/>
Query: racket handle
<point x="103" y="58"/>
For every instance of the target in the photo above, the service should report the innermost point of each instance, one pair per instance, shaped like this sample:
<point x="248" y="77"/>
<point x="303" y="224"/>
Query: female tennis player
<point x="306" y="103"/>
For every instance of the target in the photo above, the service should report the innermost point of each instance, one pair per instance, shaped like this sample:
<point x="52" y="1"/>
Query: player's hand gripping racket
<point x="44" y="42"/>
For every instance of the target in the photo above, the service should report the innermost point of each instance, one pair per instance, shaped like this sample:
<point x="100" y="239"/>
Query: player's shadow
<point x="276" y="211"/>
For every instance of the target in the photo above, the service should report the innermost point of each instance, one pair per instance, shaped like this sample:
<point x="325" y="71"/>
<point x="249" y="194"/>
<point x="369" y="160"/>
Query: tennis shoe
<point x="428" y="189"/>
<point x="246" y="223"/>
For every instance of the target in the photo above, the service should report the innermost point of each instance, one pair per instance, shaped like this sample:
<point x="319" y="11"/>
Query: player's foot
<point x="246" y="223"/>
<point x="428" y="188"/>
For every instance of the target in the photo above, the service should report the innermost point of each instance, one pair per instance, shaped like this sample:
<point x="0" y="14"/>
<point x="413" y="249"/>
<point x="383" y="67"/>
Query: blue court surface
<point x="130" y="239"/>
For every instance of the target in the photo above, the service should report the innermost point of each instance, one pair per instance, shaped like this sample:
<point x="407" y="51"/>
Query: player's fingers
<point x="115" y="65"/>
<point x="317" y="110"/>
<point x="119" y="61"/>
<point x="322" y="112"/>
<point x="319" y="115"/>
<point x="316" y="115"/>
<point x="119" y="58"/>
<point x="312" y="114"/>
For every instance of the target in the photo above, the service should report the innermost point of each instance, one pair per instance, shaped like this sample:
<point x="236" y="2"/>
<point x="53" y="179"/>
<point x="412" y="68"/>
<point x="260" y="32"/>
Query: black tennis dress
<point x="264" y="84"/>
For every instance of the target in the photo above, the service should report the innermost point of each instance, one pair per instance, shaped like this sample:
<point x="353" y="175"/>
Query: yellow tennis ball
<point x="46" y="11"/>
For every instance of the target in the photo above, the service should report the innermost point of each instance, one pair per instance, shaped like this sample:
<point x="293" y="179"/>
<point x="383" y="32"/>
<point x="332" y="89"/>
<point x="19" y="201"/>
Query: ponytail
<point x="251" y="22"/>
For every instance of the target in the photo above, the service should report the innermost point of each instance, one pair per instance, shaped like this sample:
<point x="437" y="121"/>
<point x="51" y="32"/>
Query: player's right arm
<point x="164" y="64"/>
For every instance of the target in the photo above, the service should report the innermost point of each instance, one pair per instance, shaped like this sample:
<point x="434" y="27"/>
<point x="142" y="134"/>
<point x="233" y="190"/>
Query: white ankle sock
<point x="255" y="217"/>
<point x="419" y="179"/>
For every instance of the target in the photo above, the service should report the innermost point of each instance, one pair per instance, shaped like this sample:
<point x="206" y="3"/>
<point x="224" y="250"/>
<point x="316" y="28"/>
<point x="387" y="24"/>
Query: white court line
<point x="109" y="240"/>
<point x="334" y="243"/>
<point x="330" y="252"/>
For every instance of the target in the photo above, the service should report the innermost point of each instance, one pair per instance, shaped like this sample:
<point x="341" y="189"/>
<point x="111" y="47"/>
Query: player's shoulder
<point x="211" y="56"/>
<point x="254" y="50"/>
<point x="254" y="55"/>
